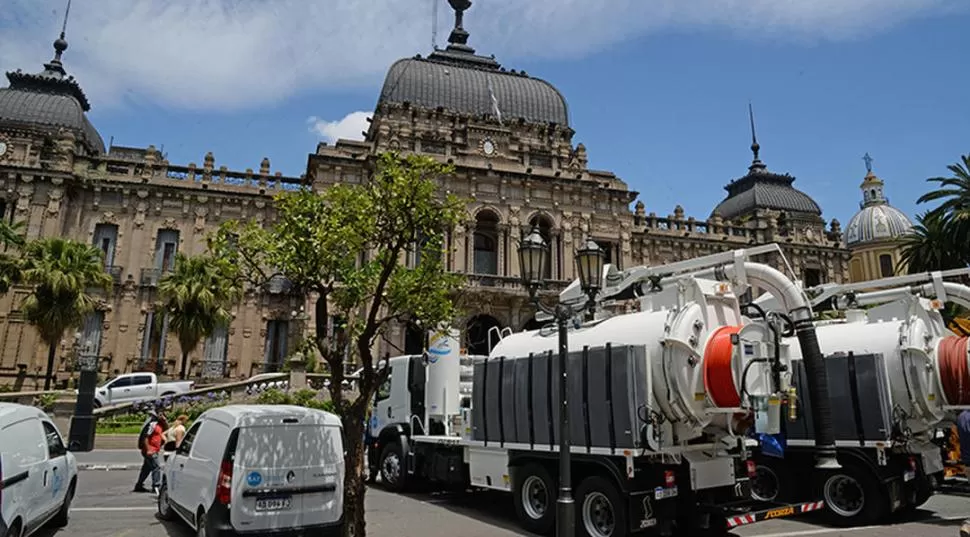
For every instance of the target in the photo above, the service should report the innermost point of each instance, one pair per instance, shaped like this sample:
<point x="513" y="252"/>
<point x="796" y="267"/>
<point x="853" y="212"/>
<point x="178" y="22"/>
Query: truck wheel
<point x="393" y="473"/>
<point x="771" y="482"/>
<point x="535" y="499"/>
<point x="854" y="497"/>
<point x="601" y="511"/>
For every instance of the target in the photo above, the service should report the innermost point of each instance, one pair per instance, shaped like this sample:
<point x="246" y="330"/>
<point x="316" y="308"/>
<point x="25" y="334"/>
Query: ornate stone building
<point x="874" y="234"/>
<point x="507" y="133"/>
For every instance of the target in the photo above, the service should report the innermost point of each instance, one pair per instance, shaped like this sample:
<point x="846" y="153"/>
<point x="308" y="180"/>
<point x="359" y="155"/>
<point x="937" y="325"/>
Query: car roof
<point x="248" y="415"/>
<point x="11" y="409"/>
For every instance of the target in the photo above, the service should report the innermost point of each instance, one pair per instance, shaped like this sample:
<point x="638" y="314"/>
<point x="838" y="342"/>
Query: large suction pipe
<point x="798" y="308"/>
<point x="955" y="292"/>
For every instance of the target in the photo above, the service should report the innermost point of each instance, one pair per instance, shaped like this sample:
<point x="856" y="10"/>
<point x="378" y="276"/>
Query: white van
<point x="38" y="475"/>
<point x="258" y="470"/>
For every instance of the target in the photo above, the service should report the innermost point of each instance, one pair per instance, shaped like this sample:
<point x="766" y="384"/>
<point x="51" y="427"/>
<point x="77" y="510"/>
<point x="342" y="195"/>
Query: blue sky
<point x="658" y="92"/>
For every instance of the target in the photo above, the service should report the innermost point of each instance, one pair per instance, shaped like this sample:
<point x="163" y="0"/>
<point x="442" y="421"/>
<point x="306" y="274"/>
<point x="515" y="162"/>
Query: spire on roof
<point x="458" y="40"/>
<point x="60" y="45"/>
<point x="756" y="164"/>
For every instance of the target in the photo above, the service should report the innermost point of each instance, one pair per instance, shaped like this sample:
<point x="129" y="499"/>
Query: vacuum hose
<point x="795" y="303"/>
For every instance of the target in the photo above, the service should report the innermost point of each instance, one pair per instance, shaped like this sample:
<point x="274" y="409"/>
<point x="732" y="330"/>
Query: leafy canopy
<point x="62" y="273"/>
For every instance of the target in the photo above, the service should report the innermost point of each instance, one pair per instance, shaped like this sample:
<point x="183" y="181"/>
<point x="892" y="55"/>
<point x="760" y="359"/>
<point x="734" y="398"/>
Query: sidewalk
<point x="107" y="459"/>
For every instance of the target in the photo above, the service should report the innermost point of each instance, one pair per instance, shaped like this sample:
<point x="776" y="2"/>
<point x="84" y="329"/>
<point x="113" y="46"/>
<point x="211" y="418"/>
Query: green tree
<point x="196" y="297"/>
<point x="930" y="246"/>
<point x="11" y="237"/>
<point x="62" y="273"/>
<point x="954" y="197"/>
<point x="343" y="250"/>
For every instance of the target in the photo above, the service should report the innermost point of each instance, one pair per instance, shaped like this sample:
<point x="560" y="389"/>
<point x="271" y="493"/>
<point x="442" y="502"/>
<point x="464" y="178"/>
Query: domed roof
<point x="49" y="99"/>
<point x="876" y="221"/>
<point x="461" y="81"/>
<point x="762" y="189"/>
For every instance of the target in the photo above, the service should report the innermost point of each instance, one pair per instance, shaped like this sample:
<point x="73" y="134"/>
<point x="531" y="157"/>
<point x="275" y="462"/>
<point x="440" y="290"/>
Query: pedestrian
<point x="175" y="434"/>
<point x="963" y="432"/>
<point x="150" y="442"/>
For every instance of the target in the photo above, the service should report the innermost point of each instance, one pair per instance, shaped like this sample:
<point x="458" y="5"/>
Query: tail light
<point x="912" y="464"/>
<point x="669" y="479"/>
<point x="224" y="484"/>
<point x="752" y="469"/>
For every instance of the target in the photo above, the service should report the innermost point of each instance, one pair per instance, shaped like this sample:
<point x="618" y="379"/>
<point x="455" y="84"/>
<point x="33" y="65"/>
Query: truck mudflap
<point x="777" y="511"/>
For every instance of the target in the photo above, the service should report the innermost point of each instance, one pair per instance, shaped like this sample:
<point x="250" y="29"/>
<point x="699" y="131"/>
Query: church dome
<point x="877" y="221"/>
<point x="50" y="99"/>
<point x="459" y="80"/>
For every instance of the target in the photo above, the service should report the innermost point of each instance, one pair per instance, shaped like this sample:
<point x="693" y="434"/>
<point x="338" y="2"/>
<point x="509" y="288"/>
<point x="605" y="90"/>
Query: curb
<point x="107" y="467"/>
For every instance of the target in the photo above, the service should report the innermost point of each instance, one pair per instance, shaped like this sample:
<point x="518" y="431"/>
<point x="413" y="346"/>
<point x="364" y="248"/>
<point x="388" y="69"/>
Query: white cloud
<point x="230" y="54"/>
<point x="348" y="128"/>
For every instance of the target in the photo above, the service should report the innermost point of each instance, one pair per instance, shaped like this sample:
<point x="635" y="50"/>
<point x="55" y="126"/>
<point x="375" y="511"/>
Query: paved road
<point x="106" y="508"/>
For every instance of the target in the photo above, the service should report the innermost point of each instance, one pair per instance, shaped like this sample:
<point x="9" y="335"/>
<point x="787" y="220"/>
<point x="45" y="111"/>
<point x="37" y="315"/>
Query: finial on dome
<point x="60" y="44"/>
<point x="458" y="40"/>
<point x="756" y="164"/>
<point x="868" y="160"/>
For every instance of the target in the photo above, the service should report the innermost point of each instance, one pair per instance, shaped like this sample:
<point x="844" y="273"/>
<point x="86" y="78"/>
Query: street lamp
<point x="589" y="262"/>
<point x="81" y="436"/>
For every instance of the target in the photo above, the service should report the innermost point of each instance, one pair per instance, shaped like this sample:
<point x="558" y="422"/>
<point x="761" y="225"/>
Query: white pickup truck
<point x="137" y="387"/>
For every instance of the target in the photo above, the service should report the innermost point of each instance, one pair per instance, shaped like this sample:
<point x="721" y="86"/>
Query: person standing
<point x="151" y="448"/>
<point x="175" y="434"/>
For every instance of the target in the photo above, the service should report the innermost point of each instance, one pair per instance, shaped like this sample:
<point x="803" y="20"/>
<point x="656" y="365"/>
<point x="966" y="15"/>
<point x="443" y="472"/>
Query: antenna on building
<point x="434" y="24"/>
<point x="67" y="12"/>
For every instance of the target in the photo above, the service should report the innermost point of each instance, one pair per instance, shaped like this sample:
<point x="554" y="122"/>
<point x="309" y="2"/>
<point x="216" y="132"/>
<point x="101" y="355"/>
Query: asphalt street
<point x="105" y="507"/>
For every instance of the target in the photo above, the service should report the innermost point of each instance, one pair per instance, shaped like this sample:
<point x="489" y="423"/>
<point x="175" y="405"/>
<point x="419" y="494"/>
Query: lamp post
<point x="81" y="436"/>
<point x="589" y="262"/>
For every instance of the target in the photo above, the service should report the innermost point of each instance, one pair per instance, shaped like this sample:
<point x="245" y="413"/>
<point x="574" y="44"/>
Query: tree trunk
<point x="185" y="363"/>
<point x="51" y="354"/>
<point x="354" y="486"/>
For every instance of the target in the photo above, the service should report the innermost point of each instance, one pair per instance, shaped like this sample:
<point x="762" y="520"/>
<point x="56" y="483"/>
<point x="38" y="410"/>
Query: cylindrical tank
<point x="913" y="350"/>
<point x="443" y="397"/>
<point x="695" y="365"/>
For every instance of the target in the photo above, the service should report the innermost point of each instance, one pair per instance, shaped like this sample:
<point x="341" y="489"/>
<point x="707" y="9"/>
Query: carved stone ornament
<point x="54" y="197"/>
<point x="109" y="218"/>
<point x="140" y="211"/>
<point x="169" y="223"/>
<point x="25" y="192"/>
<point x="200" y="214"/>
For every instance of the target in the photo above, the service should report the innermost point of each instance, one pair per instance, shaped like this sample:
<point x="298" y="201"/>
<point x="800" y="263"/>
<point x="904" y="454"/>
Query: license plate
<point x="909" y="476"/>
<point x="273" y="504"/>
<point x="661" y="493"/>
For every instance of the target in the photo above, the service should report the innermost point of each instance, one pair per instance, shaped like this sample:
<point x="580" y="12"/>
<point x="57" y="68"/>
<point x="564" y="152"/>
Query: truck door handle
<point x="389" y="412"/>
<point x="45" y="478"/>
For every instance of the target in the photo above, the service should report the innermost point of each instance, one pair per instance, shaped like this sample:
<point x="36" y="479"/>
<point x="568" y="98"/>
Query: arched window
<point x="545" y="229"/>
<point x="485" y="243"/>
<point x="886" y="268"/>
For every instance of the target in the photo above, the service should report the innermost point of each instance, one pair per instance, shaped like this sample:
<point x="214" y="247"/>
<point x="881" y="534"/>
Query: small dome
<point x="877" y="223"/>
<point x="50" y="99"/>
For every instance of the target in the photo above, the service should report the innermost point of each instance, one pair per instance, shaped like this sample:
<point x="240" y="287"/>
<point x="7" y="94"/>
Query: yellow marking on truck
<point x="777" y="513"/>
<point x="931" y="397"/>
<point x="700" y="396"/>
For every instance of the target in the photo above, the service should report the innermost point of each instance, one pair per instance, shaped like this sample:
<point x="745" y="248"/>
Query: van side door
<point x="58" y="480"/>
<point x="31" y="457"/>
<point x="200" y="469"/>
<point x="175" y="470"/>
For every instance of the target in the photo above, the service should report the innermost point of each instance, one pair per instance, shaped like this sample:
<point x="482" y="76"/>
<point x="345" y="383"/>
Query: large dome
<point x="49" y="99"/>
<point x="877" y="221"/>
<point x="457" y="79"/>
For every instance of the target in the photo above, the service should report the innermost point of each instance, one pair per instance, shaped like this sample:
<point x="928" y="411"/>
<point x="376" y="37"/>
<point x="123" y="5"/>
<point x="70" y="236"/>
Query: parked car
<point x="258" y="470"/>
<point x="38" y="475"/>
<point x="137" y="387"/>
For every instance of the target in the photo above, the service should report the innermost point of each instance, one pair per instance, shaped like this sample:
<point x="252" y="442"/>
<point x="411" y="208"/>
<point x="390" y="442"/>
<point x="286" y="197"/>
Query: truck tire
<point x="534" y="495"/>
<point x="393" y="473"/>
<point x="600" y="509"/>
<point x="772" y="481"/>
<point x="854" y="496"/>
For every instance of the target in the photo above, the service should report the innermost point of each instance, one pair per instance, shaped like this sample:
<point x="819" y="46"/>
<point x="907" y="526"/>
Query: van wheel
<point x="601" y="512"/>
<point x="393" y="473"/>
<point x="200" y="524"/>
<point x="164" y="506"/>
<point x="854" y="497"/>
<point x="535" y="498"/>
<point x="63" y="516"/>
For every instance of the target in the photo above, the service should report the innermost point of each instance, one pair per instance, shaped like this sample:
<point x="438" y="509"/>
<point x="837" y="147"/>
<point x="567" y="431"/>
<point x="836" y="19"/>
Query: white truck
<point x="895" y="370"/>
<point x="134" y="387"/>
<point x="661" y="400"/>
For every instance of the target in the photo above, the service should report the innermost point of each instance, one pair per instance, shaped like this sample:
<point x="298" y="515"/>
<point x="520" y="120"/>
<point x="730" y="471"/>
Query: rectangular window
<point x="165" y="248"/>
<point x="539" y="160"/>
<point x="277" y="336"/>
<point x="886" y="266"/>
<point x="435" y="148"/>
<point x="609" y="249"/>
<point x="813" y="278"/>
<point x="153" y="344"/>
<point x="214" y="353"/>
<point x="91" y="334"/>
<point x="105" y="239"/>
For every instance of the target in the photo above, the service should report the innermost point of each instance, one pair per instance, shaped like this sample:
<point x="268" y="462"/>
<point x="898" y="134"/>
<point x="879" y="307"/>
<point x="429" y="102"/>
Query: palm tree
<point x="954" y="194"/>
<point x="11" y="235"/>
<point x="197" y="296"/>
<point x="930" y="246"/>
<point x="62" y="273"/>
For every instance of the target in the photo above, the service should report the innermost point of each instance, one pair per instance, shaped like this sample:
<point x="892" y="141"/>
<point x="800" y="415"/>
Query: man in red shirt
<point x="151" y="448"/>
